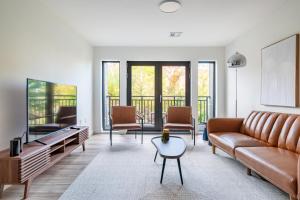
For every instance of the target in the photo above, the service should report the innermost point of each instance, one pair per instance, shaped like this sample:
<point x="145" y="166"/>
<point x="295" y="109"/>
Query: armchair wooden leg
<point x="1" y="190"/>
<point x="213" y="147"/>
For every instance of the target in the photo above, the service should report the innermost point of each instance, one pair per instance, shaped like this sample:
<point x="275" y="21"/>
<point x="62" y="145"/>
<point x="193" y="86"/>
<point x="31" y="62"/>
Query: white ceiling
<point x="140" y="22"/>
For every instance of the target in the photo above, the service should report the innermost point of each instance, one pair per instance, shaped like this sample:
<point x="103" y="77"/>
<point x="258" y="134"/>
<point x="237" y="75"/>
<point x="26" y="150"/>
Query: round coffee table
<point x="173" y="149"/>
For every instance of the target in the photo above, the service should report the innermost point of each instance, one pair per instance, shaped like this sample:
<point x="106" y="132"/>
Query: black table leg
<point x="162" y="172"/>
<point x="142" y="132"/>
<point x="179" y="167"/>
<point x="110" y="136"/>
<point x="194" y="137"/>
<point x="155" y="156"/>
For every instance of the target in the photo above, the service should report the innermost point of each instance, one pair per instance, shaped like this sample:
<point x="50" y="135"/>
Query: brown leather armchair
<point x="125" y="118"/>
<point x="180" y="118"/>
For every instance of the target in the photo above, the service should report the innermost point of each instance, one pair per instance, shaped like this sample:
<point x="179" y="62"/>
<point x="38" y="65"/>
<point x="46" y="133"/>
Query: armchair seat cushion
<point x="128" y="126"/>
<point x="277" y="165"/>
<point x="229" y="141"/>
<point x="178" y="126"/>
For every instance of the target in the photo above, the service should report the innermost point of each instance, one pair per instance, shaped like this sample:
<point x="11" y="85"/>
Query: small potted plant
<point x="165" y="136"/>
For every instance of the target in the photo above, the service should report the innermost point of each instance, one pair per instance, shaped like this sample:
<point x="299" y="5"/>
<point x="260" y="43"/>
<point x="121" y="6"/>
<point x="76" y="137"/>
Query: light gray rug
<point x="127" y="171"/>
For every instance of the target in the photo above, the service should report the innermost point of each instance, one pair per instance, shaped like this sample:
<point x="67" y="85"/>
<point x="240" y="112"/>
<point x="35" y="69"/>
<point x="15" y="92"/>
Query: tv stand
<point x="36" y="158"/>
<point x="40" y="142"/>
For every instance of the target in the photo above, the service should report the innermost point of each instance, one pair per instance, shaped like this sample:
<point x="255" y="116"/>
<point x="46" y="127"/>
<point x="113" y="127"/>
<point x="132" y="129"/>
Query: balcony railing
<point x="146" y="105"/>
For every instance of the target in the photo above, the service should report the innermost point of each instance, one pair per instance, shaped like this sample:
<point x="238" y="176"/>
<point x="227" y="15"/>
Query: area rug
<point x="127" y="171"/>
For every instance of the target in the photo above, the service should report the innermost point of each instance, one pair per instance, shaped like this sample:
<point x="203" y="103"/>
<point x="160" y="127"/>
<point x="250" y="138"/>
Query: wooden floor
<point x="52" y="184"/>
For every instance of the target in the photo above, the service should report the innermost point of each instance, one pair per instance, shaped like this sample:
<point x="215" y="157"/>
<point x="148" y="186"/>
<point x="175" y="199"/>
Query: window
<point x="206" y="91"/>
<point x="110" y="88"/>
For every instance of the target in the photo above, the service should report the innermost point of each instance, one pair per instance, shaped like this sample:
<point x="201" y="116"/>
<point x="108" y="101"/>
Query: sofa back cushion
<point x="289" y="136"/>
<point x="265" y="126"/>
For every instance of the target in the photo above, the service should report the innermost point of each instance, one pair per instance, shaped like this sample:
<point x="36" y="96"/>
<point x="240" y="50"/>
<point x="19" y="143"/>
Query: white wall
<point x="282" y="23"/>
<point x="124" y="54"/>
<point x="36" y="44"/>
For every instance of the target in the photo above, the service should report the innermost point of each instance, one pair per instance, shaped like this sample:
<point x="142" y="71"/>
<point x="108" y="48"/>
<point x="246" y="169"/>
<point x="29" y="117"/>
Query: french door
<point x="154" y="86"/>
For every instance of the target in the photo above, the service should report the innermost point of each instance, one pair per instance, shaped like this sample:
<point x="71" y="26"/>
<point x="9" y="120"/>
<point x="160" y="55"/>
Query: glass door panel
<point x="143" y="92"/>
<point x="173" y="87"/>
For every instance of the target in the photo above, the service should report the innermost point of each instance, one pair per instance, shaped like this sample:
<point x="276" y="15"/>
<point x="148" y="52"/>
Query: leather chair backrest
<point x="182" y="115"/>
<point x="123" y="114"/>
<point x="265" y="126"/>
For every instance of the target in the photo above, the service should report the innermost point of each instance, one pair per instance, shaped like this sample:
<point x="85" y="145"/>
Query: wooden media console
<point x="37" y="158"/>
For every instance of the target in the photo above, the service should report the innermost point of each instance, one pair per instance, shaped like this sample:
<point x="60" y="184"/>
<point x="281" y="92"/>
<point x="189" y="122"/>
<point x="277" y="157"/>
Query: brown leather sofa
<point x="265" y="142"/>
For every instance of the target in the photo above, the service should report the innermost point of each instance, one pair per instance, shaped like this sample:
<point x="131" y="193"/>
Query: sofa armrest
<point x="224" y="125"/>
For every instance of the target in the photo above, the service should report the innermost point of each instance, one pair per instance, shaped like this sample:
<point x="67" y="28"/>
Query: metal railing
<point x="146" y="105"/>
<point x="204" y="111"/>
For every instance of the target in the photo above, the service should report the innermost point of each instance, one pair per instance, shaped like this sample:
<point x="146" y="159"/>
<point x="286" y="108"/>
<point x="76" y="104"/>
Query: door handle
<point x="160" y="98"/>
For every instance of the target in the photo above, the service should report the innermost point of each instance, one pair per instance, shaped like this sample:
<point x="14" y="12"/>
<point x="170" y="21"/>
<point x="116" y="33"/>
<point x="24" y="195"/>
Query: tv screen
<point x="50" y="107"/>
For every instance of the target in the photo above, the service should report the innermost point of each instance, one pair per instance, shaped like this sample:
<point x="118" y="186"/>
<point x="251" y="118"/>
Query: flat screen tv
<point x="50" y="108"/>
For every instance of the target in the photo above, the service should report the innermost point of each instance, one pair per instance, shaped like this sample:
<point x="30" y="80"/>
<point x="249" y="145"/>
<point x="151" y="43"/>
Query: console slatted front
<point x="31" y="165"/>
<point x="83" y="136"/>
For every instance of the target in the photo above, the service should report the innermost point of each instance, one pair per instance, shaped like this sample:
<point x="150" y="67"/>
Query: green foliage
<point x="143" y="81"/>
<point x="64" y="90"/>
<point x="173" y="81"/>
<point x="203" y="80"/>
<point x="113" y="79"/>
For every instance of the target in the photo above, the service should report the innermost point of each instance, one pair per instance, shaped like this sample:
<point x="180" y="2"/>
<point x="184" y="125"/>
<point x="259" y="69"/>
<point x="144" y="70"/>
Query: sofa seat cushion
<point x="229" y="141"/>
<point x="279" y="166"/>
<point x="129" y="126"/>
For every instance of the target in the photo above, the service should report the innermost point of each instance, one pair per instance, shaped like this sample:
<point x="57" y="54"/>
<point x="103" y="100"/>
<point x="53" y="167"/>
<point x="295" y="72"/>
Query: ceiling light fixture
<point x="175" y="34"/>
<point x="169" y="6"/>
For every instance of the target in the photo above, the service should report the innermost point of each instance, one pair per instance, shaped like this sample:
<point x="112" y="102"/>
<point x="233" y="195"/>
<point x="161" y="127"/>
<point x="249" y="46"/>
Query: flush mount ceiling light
<point x="175" y="34"/>
<point x="169" y="6"/>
